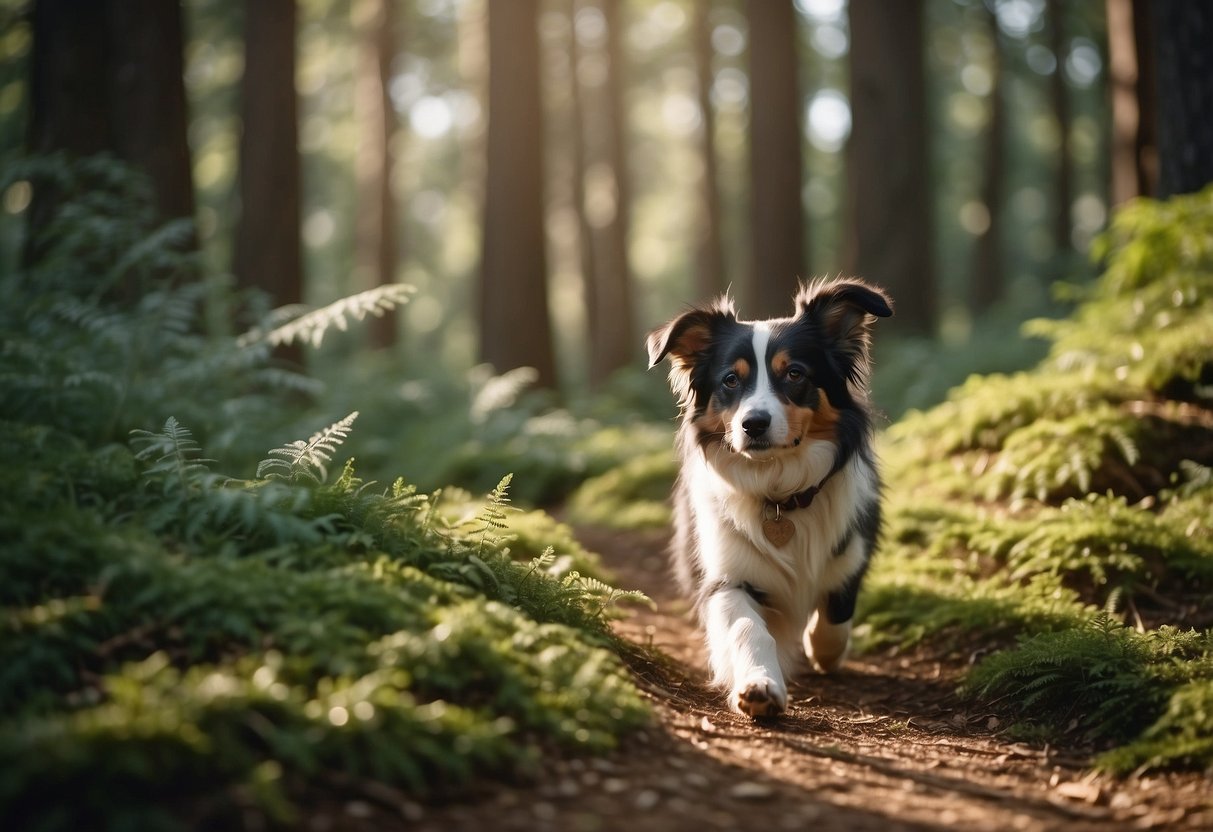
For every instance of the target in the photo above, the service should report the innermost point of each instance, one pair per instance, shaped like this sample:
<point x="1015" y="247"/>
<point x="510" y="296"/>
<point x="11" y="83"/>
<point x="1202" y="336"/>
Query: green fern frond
<point x="542" y="562"/>
<point x="310" y="327"/>
<point x="496" y="392"/>
<point x="158" y="250"/>
<point x="173" y="453"/>
<point x="308" y="459"/>
<point x="492" y="517"/>
<point x="606" y="596"/>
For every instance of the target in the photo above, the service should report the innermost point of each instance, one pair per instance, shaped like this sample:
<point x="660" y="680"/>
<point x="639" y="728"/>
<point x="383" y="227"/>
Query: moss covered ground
<point x="1065" y="514"/>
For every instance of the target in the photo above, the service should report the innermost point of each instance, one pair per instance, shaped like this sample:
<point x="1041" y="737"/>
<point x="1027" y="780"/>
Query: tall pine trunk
<point x="376" y="240"/>
<point x="268" y="253"/>
<point x="776" y="216"/>
<point x="709" y="251"/>
<point x="106" y="77"/>
<point x="987" y="283"/>
<point x="1134" y="151"/>
<point x="585" y="233"/>
<point x="614" y="345"/>
<point x="1059" y="95"/>
<point x="888" y="166"/>
<point x="515" y="328"/>
<point x="1184" y="59"/>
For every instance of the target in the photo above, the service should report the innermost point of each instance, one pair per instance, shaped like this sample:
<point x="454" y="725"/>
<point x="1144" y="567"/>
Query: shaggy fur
<point x="776" y="429"/>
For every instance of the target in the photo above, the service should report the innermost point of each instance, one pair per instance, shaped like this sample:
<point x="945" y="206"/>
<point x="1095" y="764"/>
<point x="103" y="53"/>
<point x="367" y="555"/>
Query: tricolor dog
<point x="777" y="504"/>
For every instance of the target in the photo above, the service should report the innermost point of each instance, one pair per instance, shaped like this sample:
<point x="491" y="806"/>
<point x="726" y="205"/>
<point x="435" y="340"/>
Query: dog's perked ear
<point x="842" y="312"/>
<point x="690" y="333"/>
<point x="686" y="337"/>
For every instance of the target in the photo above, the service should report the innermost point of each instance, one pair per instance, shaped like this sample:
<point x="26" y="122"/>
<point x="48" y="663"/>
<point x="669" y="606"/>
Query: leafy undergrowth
<point x="1066" y="513"/>
<point x="179" y="647"/>
<point x="466" y="429"/>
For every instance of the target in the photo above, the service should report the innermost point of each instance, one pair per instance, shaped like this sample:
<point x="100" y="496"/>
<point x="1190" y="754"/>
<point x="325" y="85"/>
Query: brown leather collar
<point x="801" y="499"/>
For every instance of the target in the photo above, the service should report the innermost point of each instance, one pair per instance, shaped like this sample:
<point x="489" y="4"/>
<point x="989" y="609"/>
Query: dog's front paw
<point x="760" y="698"/>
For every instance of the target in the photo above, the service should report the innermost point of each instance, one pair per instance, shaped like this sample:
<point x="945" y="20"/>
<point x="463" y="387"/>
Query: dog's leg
<point x="827" y="639"/>
<point x="743" y="654"/>
<point x="826" y="643"/>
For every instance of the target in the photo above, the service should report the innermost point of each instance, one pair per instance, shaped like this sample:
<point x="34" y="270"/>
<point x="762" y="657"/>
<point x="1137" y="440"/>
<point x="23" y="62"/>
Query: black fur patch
<point x="748" y="588"/>
<point x="754" y="592"/>
<point x="840" y="604"/>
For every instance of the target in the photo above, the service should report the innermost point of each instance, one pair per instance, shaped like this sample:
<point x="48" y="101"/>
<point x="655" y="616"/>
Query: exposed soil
<point x="884" y="744"/>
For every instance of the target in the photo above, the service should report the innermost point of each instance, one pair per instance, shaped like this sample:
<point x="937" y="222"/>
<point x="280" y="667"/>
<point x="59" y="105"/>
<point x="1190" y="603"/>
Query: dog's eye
<point x="731" y="381"/>
<point x="795" y="375"/>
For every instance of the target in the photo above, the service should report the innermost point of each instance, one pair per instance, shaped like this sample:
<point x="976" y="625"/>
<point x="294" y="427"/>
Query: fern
<point x="604" y="595"/>
<point x="541" y="563"/>
<point x="172" y="637"/>
<point x="173" y="454"/>
<point x="492" y="393"/>
<point x="158" y="251"/>
<point x="1102" y="679"/>
<point x="491" y="521"/>
<point x="307" y="459"/>
<point x="311" y="326"/>
<point x="1182" y="735"/>
<point x="1091" y="451"/>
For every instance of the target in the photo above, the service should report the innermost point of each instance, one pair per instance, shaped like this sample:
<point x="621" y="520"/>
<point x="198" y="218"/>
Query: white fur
<point x="751" y="645"/>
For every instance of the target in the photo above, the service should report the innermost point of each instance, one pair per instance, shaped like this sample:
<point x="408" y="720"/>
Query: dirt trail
<point x="885" y="744"/>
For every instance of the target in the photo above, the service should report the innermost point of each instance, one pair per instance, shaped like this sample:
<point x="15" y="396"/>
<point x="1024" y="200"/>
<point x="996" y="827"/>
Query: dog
<point x="777" y="504"/>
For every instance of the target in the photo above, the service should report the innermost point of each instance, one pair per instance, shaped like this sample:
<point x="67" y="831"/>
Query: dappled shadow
<point x="885" y="744"/>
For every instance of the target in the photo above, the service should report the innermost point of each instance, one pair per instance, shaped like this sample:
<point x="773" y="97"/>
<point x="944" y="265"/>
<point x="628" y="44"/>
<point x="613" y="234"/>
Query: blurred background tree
<point x="777" y="229"/>
<point x="889" y="180"/>
<point x="567" y="173"/>
<point x="101" y="77"/>
<point x="268" y="252"/>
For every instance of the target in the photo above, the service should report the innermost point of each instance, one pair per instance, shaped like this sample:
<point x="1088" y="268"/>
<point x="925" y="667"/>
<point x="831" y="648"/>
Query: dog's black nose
<point x="756" y="424"/>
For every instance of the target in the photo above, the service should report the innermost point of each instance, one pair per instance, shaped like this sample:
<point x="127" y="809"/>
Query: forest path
<point x="884" y="744"/>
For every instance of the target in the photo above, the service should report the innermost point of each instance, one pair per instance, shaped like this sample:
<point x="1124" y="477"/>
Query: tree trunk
<point x="709" y="253"/>
<point x="1134" y="151"/>
<point x="515" y="329"/>
<point x="106" y="77"/>
<point x="1129" y="123"/>
<point x="987" y="283"/>
<point x="1060" y="96"/>
<point x="776" y="215"/>
<point x="614" y="345"/>
<point x="376" y="248"/>
<point x="888" y="166"/>
<point x="268" y="253"/>
<point x="1184" y="60"/>
<point x="585" y="234"/>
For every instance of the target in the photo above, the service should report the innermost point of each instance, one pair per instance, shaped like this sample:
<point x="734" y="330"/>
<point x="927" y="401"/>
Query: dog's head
<point x="765" y="387"/>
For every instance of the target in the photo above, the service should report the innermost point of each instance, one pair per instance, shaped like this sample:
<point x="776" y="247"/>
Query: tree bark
<point x="376" y="240"/>
<point x="614" y="345"/>
<point x="1060" y="96"/>
<point x="585" y="234"/>
<point x="776" y="215"/>
<point x="106" y="77"/>
<point x="709" y="252"/>
<point x="268" y="248"/>
<point x="1124" y="171"/>
<point x="1184" y="60"/>
<point x="988" y="278"/>
<point x="515" y="328"/>
<point x="888" y="167"/>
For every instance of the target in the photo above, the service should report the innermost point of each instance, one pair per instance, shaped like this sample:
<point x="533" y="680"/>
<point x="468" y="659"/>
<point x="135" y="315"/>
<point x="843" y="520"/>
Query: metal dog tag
<point x="778" y="529"/>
